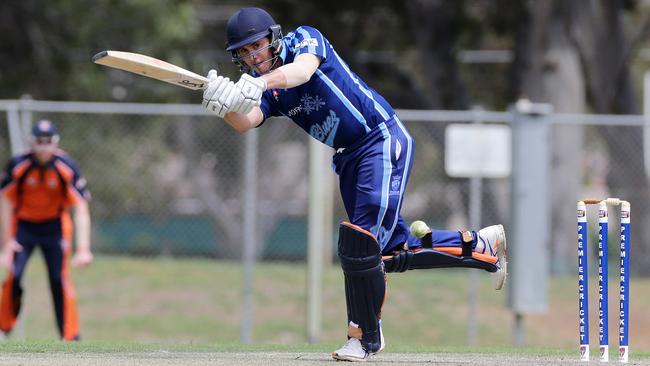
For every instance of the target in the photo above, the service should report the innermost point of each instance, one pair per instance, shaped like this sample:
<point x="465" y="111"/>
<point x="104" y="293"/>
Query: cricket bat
<point x="151" y="67"/>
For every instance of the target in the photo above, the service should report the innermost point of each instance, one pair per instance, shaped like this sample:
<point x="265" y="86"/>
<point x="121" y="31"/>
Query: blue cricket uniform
<point x="374" y="150"/>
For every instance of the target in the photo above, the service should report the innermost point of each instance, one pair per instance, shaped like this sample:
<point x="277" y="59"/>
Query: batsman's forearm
<point x="244" y="122"/>
<point x="82" y="225"/>
<point x="292" y="74"/>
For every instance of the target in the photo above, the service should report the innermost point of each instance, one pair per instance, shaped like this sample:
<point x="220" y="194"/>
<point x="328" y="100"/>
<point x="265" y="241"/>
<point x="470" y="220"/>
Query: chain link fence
<point x="168" y="179"/>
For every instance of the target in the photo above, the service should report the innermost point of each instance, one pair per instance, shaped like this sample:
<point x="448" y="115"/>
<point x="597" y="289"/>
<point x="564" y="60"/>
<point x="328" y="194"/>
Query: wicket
<point x="603" y="282"/>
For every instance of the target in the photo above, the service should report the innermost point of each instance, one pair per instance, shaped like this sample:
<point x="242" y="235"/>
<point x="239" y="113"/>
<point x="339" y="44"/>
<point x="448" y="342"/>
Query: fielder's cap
<point x="44" y="128"/>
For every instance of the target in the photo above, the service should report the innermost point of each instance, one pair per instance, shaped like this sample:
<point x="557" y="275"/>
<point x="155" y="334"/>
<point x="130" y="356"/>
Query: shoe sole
<point x="500" y="275"/>
<point x="348" y="358"/>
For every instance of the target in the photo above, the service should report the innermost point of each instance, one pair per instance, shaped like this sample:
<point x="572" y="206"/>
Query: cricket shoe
<point x="491" y="240"/>
<point x="352" y="350"/>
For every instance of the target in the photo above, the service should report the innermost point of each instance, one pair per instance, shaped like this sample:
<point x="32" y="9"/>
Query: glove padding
<point x="221" y="96"/>
<point x="251" y="90"/>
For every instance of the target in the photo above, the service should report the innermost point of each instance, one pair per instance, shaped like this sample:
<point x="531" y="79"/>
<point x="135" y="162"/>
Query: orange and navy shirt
<point x="42" y="192"/>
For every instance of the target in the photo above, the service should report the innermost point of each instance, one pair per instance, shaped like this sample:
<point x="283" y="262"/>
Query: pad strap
<point x="431" y="258"/>
<point x="467" y="239"/>
<point x="427" y="240"/>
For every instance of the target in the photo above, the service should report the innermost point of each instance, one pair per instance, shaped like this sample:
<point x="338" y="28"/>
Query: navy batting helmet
<point x="249" y="25"/>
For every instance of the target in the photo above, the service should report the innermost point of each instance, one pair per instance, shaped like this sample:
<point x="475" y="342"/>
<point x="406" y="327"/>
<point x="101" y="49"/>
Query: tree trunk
<point x="546" y="62"/>
<point x="605" y="52"/>
<point x="435" y="38"/>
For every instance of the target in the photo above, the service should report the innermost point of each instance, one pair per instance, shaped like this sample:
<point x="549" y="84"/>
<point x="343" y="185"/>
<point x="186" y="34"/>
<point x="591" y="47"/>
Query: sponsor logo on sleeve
<point x="307" y="42"/>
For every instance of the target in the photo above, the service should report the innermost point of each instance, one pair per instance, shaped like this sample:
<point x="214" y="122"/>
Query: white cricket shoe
<point x="491" y="240"/>
<point x="351" y="351"/>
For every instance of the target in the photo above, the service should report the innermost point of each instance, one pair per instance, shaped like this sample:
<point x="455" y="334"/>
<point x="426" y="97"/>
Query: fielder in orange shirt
<point x="36" y="191"/>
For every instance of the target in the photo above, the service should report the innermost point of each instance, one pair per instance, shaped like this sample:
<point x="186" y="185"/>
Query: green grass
<point x="129" y="304"/>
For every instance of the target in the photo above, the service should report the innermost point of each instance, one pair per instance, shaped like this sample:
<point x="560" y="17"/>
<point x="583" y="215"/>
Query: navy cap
<point x="44" y="128"/>
<point x="247" y="26"/>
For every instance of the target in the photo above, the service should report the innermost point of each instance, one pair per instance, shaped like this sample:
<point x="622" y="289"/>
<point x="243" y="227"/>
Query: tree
<point x="607" y="52"/>
<point x="47" y="47"/>
<point x="581" y="48"/>
<point x="546" y="61"/>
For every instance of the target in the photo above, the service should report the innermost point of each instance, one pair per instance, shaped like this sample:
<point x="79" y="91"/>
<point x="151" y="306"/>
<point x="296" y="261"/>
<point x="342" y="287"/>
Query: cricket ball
<point x="419" y="229"/>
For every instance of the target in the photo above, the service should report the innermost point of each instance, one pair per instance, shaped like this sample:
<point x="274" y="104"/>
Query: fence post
<point x="646" y="125"/>
<point x="16" y="139"/>
<point x="26" y="117"/>
<point x="475" y="221"/>
<point x="16" y="119"/>
<point x="249" y="233"/>
<point x="530" y="213"/>
<point x="315" y="238"/>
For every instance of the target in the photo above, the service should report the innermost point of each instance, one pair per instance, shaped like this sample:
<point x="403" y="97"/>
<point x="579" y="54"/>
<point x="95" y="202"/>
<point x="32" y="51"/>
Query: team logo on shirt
<point x="307" y="42"/>
<point x="325" y="131"/>
<point x="52" y="183"/>
<point x="310" y="104"/>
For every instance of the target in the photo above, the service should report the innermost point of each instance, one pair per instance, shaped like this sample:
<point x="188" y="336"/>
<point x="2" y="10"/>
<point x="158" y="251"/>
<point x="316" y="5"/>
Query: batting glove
<point x="251" y="89"/>
<point x="221" y="95"/>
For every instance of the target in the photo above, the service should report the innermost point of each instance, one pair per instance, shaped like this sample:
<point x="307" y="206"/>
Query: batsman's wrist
<point x="265" y="86"/>
<point x="259" y="81"/>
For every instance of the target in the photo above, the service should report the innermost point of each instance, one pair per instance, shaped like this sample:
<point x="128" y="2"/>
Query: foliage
<point x="46" y="53"/>
<point x="47" y="46"/>
<point x="410" y="51"/>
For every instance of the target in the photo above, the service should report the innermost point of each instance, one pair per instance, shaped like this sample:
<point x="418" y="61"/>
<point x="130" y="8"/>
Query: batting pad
<point x="365" y="284"/>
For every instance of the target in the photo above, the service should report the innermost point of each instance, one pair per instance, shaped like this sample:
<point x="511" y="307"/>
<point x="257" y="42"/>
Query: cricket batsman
<point x="300" y="76"/>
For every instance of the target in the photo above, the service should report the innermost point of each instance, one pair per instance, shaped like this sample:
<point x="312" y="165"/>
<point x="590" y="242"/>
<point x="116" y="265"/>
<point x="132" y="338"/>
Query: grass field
<point x="149" y="306"/>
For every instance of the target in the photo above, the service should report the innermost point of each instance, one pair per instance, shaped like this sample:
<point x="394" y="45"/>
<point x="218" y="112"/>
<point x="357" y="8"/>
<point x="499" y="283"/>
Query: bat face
<point x="151" y="67"/>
